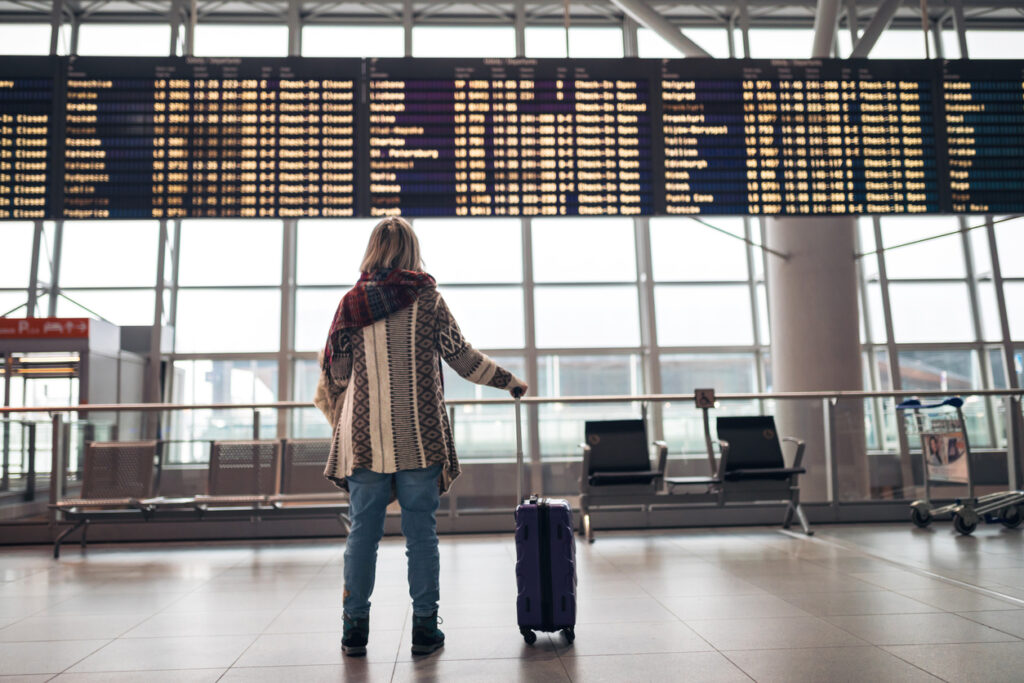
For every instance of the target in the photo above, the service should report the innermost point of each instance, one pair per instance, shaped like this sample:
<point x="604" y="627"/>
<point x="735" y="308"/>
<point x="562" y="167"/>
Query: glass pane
<point x="683" y="250"/>
<point x="703" y="315"/>
<point x="876" y="313"/>
<point x="314" y="311"/>
<point x="734" y="373"/>
<point x="120" y="307"/>
<point x="212" y="320"/>
<point x="714" y="40"/>
<point x="483" y="432"/>
<point x="1018" y="364"/>
<point x="989" y="312"/>
<point x="353" y="41"/>
<point x="561" y="424"/>
<point x="930" y="313"/>
<point x="762" y="315"/>
<point x="569" y="317"/>
<point x="980" y="251"/>
<point x="869" y="260"/>
<point x="463" y="41"/>
<point x="230" y="253"/>
<point x="773" y="43"/>
<point x="330" y="251"/>
<point x="998" y="368"/>
<point x="489" y="317"/>
<point x="994" y="44"/>
<point x="109" y="254"/>
<point x="939" y="370"/>
<point x="1010" y="242"/>
<point x="16" y="254"/>
<point x="219" y="381"/>
<point x="1014" y="292"/>
<point x="581" y="250"/>
<point x="899" y="44"/>
<point x="942" y="257"/>
<point x="466" y="250"/>
<point x="549" y="41"/>
<point x="115" y="40"/>
<point x="25" y="39"/>
<point x="13" y="303"/>
<point x="217" y="40"/>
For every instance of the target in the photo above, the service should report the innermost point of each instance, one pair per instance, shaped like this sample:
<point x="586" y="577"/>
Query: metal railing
<point x="829" y="400"/>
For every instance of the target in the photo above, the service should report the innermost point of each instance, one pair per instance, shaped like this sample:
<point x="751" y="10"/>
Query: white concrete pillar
<point x="815" y="344"/>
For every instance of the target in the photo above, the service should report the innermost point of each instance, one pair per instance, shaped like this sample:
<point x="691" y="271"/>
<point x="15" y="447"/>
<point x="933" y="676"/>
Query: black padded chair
<point x="617" y="468"/>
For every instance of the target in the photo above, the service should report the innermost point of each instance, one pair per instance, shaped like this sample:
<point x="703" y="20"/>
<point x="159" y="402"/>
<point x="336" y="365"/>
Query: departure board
<point x="798" y="137"/>
<point x="85" y="138"/>
<point x="509" y="137"/>
<point x="190" y="138"/>
<point x="26" y="136"/>
<point x="983" y="109"/>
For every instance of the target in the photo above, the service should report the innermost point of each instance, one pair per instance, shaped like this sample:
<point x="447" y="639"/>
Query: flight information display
<point x="798" y="138"/>
<point x="509" y="137"/>
<point x="95" y="138"/>
<point x="26" y="140"/>
<point x="189" y="138"/>
<point x="983" y="109"/>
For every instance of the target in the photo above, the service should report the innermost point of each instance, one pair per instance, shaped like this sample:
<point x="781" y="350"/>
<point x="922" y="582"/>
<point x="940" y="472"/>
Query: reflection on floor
<point x="857" y="603"/>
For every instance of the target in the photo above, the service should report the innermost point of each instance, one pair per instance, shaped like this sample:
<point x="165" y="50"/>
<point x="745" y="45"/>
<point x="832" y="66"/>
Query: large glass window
<point x="587" y="41"/>
<point x="230" y="253"/>
<point x="223" y="40"/>
<point x="474" y="251"/>
<point x="228" y="321"/>
<point x="936" y="257"/>
<point x="109" y="254"/>
<point x="119" y="306"/>
<point x="580" y="250"/>
<point x="938" y="312"/>
<point x="483" y="432"/>
<point x="16" y="254"/>
<point x="587" y="317"/>
<point x="1010" y="240"/>
<point x="1014" y="292"/>
<point x="685" y="250"/>
<point x="24" y="39"/>
<point x="776" y="43"/>
<point x="330" y="251"/>
<point x="994" y="44"/>
<point x="219" y="381"/>
<point x="463" y="41"/>
<point x="314" y="311"/>
<point x="489" y="317"/>
<point x="353" y="41"/>
<point x="652" y="46"/>
<point x="703" y="315"/>
<point x="118" y="40"/>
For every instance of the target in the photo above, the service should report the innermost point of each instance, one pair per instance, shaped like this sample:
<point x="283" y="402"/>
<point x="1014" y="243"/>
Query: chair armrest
<point x="662" y="460"/>
<point x="800" y="445"/>
<point x="585" y="469"/>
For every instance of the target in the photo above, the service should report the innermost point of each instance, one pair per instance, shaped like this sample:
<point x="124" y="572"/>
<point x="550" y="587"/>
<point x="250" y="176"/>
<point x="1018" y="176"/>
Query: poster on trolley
<point x="945" y="455"/>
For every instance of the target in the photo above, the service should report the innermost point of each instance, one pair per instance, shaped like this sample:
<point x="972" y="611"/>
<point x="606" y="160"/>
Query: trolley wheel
<point x="529" y="636"/>
<point x="570" y="634"/>
<point x="920" y="518"/>
<point x="963" y="526"/>
<point x="1011" y="516"/>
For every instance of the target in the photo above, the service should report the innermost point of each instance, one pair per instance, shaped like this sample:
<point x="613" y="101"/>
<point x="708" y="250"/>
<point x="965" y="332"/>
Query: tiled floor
<point x="856" y="603"/>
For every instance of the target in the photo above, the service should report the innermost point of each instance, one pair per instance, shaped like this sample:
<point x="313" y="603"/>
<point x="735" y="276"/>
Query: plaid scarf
<point x="376" y="296"/>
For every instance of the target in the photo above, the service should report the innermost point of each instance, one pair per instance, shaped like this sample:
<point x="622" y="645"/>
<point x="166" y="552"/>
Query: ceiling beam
<point x="879" y="23"/>
<point x="644" y="15"/>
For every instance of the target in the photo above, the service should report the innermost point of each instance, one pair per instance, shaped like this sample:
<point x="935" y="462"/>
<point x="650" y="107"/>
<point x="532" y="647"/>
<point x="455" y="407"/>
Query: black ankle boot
<point x="355" y="634"/>
<point x="426" y="636"/>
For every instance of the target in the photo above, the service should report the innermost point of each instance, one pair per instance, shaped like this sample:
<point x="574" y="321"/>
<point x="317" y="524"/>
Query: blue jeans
<point x="369" y="494"/>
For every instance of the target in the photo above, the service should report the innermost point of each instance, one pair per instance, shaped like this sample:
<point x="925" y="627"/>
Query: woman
<point x="381" y="388"/>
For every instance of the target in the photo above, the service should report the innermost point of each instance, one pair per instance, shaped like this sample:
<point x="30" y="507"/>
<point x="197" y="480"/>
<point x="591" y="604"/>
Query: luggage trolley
<point x="945" y="456"/>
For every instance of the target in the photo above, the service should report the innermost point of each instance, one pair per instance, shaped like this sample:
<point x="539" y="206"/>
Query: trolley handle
<point x="517" y="394"/>
<point x="913" y="404"/>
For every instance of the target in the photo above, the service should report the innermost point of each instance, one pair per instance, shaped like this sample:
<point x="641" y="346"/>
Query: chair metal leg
<point x="803" y="520"/>
<point x="588" y="531"/>
<point x="85" y="533"/>
<point x="64" y="534"/>
<point x="787" y="521"/>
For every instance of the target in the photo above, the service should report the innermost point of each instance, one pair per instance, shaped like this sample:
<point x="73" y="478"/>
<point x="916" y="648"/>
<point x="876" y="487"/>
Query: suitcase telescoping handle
<point x="517" y="394"/>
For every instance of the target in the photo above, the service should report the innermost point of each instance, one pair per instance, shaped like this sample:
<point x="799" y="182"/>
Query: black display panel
<point x="189" y="138"/>
<point x="26" y="136"/>
<point x="790" y="137"/>
<point x="509" y="137"/>
<point x="983" y="113"/>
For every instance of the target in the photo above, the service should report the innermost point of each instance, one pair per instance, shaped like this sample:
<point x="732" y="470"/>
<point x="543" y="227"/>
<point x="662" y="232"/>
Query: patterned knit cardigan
<point x="385" y="397"/>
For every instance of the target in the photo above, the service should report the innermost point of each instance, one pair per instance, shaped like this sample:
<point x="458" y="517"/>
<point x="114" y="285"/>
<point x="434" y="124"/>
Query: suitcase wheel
<point x="529" y="636"/>
<point x="570" y="634"/>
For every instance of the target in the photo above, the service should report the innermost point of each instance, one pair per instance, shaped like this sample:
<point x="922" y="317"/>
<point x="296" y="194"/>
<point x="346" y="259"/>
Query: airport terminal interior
<point x="758" y="262"/>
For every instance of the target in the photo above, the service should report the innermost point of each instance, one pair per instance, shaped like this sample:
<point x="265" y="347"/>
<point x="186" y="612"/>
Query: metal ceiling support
<point x="852" y="21"/>
<point x="825" y="21"/>
<point x="630" y="48"/>
<point x="190" y="30"/>
<point x="879" y="23"/>
<point x="407" y="25"/>
<point x="56" y="19"/>
<point x="745" y="27"/>
<point x="960" y="24"/>
<point x="520" y="27"/>
<point x="644" y="15"/>
<point x="174" y="19"/>
<point x="294" y="28"/>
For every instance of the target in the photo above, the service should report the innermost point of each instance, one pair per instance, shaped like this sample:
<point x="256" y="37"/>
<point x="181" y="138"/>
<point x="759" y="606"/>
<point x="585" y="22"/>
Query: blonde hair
<point x="392" y="244"/>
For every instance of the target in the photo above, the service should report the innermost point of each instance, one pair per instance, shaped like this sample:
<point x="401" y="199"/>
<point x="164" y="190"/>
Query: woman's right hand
<point x="519" y="390"/>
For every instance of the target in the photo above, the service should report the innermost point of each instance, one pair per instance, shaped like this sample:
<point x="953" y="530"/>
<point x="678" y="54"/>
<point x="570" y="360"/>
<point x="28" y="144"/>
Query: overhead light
<point x="25" y="360"/>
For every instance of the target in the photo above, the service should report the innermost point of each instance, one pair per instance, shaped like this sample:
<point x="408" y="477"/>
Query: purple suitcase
<point x="545" y="561"/>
